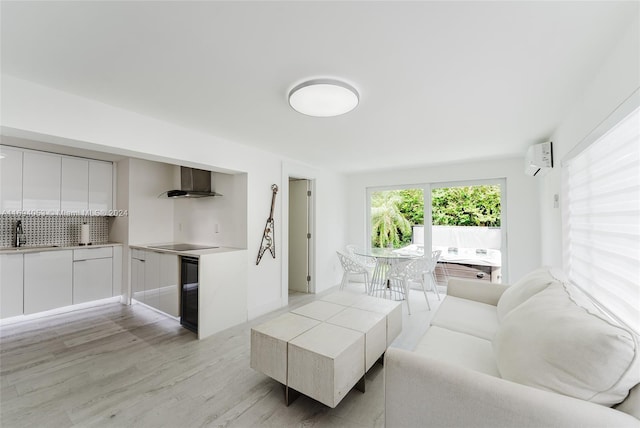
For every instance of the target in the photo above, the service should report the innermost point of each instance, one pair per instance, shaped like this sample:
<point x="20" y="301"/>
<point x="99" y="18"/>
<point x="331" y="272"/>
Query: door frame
<point x="307" y="202"/>
<point x="291" y="171"/>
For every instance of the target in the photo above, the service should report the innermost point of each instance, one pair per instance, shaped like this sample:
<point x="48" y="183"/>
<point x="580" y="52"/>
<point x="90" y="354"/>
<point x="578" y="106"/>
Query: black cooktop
<point x="182" y="247"/>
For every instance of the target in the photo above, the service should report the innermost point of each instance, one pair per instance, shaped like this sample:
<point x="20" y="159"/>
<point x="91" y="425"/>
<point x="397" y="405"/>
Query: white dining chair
<point x="416" y="270"/>
<point x="351" y="266"/>
<point x="356" y="253"/>
<point x="431" y="271"/>
<point x="398" y="280"/>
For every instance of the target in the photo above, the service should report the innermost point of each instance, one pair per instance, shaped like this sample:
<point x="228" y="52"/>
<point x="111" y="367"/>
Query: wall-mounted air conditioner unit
<point x="539" y="159"/>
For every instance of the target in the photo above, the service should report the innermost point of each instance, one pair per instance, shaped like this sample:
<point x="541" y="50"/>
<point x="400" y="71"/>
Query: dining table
<point x="385" y="258"/>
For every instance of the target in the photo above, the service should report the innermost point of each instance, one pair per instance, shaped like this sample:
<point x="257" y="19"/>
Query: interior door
<point x="299" y="235"/>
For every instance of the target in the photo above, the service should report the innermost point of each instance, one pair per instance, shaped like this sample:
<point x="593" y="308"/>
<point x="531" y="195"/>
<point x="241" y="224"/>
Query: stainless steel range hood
<point x="194" y="183"/>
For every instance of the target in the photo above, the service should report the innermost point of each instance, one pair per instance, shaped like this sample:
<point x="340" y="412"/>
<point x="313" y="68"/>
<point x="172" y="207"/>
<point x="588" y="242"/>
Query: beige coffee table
<point x="372" y="325"/>
<point x="325" y="362"/>
<point x="324" y="349"/>
<point x="269" y="343"/>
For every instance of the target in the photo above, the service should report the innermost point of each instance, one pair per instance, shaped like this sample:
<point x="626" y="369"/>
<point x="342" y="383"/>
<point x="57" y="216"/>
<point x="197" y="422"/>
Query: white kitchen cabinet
<point x="11" y="285"/>
<point x="48" y="280"/>
<point x="74" y="192"/>
<point x="10" y="179"/>
<point x="92" y="274"/>
<point x="169" y="291"/>
<point x="155" y="280"/>
<point x="116" y="287"/>
<point x="41" y="175"/>
<point x="100" y="187"/>
<point x="152" y="279"/>
<point x="137" y="275"/>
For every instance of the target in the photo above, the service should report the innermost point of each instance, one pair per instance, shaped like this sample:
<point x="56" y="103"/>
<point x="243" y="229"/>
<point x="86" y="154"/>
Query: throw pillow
<point x="551" y="343"/>
<point x="520" y="291"/>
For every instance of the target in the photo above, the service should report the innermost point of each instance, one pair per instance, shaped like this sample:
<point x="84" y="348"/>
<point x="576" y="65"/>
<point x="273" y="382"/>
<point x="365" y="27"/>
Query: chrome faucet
<point x="21" y="239"/>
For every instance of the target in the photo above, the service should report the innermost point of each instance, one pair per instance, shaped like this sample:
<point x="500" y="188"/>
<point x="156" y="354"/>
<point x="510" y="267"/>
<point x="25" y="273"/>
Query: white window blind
<point x="602" y="220"/>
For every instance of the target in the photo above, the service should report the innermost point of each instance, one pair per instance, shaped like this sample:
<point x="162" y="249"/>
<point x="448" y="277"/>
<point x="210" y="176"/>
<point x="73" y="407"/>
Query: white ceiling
<point x="439" y="81"/>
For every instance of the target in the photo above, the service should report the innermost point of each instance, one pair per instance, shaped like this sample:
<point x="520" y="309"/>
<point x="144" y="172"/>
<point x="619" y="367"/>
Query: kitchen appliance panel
<point x="189" y="293"/>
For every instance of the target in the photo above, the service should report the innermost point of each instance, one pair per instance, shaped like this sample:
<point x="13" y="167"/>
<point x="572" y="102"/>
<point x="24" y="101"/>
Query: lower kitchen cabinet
<point x="92" y="274"/>
<point x="168" y="292"/>
<point x="39" y="281"/>
<point x="92" y="280"/>
<point x="137" y="278"/>
<point x="137" y="274"/>
<point x="11" y="289"/>
<point x="155" y="280"/>
<point x="152" y="279"/>
<point x="116" y="287"/>
<point x="48" y="280"/>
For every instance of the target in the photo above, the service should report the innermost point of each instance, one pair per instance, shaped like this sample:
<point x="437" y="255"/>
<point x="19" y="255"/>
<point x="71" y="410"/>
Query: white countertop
<point x="40" y="248"/>
<point x="190" y="253"/>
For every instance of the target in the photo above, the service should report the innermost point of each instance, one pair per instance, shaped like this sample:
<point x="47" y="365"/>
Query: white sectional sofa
<point x="535" y="354"/>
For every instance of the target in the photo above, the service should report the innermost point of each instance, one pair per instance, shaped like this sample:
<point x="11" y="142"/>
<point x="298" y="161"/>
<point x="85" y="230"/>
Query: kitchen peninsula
<point x="222" y="283"/>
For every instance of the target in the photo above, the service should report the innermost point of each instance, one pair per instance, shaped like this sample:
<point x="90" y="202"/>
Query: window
<point x="463" y="220"/>
<point x="466" y="220"/>
<point x="601" y="187"/>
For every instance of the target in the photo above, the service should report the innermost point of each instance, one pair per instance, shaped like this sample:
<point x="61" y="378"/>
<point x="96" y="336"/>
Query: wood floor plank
<point x="129" y="366"/>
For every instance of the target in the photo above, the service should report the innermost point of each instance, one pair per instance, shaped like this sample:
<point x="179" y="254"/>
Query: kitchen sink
<point x="35" y="247"/>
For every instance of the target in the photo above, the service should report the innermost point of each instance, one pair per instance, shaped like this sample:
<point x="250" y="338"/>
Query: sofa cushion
<point x="467" y="316"/>
<point x="552" y="343"/>
<point x="631" y="404"/>
<point x="520" y="291"/>
<point x="458" y="348"/>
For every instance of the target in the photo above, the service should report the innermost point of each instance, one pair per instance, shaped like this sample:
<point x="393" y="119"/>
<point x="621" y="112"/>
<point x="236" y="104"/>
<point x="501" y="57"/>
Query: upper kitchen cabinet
<point x="32" y="180"/>
<point x="75" y="185"/>
<point x="86" y="185"/>
<point x="100" y="187"/>
<point x="10" y="179"/>
<point x="41" y="175"/>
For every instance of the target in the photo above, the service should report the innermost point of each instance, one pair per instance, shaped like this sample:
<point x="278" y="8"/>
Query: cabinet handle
<point x="480" y="275"/>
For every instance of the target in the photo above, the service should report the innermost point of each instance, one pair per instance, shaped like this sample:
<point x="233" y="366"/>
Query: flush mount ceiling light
<point x="323" y="98"/>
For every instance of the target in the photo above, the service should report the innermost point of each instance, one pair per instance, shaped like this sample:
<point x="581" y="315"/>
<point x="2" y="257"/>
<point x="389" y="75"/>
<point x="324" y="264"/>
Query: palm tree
<point x="387" y="222"/>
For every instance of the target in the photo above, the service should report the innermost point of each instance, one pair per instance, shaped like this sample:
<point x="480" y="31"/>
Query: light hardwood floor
<point x="128" y="366"/>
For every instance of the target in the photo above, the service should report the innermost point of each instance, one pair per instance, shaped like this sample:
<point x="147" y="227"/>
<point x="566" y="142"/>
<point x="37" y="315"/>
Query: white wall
<point x="40" y="113"/>
<point x="616" y="80"/>
<point x="151" y="218"/>
<point x="219" y="221"/>
<point x="521" y="199"/>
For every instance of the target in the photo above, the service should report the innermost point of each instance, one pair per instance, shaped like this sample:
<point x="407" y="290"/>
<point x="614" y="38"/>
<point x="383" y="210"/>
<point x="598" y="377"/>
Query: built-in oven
<point x="189" y="293"/>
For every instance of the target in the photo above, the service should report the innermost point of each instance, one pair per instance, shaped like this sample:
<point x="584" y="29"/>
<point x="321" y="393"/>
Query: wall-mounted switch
<point x="556" y="201"/>
<point x="216" y="228"/>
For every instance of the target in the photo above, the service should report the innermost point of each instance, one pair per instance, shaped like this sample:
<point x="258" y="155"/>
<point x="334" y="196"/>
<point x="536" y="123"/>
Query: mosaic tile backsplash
<point x="52" y="229"/>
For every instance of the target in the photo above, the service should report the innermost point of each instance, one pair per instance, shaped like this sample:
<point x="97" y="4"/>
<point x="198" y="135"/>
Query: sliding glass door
<point x="467" y="229"/>
<point x="465" y="223"/>
<point x="394" y="215"/>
